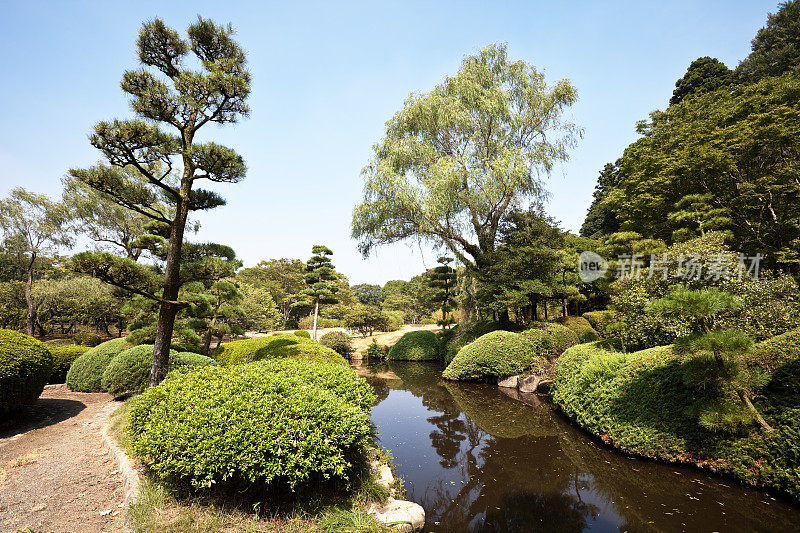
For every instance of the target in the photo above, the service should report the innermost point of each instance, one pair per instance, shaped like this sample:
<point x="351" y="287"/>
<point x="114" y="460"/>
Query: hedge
<point x="273" y="347"/>
<point x="64" y="356"/>
<point x="87" y="338"/>
<point x="499" y="354"/>
<point x="86" y="372"/>
<point x="338" y="341"/>
<point x="416" y="346"/>
<point x="243" y="426"/>
<point x="561" y="336"/>
<point x="637" y="402"/>
<point x="581" y="327"/>
<point x="25" y="365"/>
<point x="777" y="351"/>
<point x="129" y="370"/>
<point x="303" y="333"/>
<point x="601" y="320"/>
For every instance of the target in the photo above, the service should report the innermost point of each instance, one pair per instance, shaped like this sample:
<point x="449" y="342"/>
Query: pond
<point x="478" y="459"/>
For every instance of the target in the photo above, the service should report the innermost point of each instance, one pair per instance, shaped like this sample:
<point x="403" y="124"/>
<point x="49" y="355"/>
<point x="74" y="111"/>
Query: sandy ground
<point x="55" y="475"/>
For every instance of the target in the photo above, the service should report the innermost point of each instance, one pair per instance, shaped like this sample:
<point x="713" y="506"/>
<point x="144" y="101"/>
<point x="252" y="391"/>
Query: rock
<point x="403" y="515"/>
<point x="510" y="382"/>
<point x="385" y="477"/>
<point x="529" y="383"/>
<point x="527" y="398"/>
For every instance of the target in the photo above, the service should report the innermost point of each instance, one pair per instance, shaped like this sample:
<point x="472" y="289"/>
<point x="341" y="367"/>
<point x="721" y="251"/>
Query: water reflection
<point x="479" y="460"/>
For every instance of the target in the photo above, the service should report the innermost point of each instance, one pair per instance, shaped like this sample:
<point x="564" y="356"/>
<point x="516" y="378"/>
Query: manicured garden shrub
<point x="637" y="402"/>
<point x="339" y="379"/>
<point x="303" y="333"/>
<point x="561" y="336"/>
<point x="601" y="320"/>
<point x="338" y="341"/>
<point x="377" y="351"/>
<point x="582" y="328"/>
<point x="129" y="370"/>
<point x="25" y="365"/>
<point x="275" y="346"/>
<point x="63" y="357"/>
<point x="416" y="346"/>
<point x="86" y="372"/>
<point x="499" y="354"/>
<point x="773" y="353"/>
<point x="87" y="338"/>
<point x="241" y="425"/>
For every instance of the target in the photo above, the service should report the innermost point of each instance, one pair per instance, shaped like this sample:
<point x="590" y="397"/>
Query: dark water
<point x="478" y="460"/>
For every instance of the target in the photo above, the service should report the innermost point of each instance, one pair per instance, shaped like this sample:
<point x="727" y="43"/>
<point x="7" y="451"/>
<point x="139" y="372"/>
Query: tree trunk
<point x="207" y="342"/>
<point x="759" y="418"/>
<point x="31" y="316"/>
<point x="316" y="313"/>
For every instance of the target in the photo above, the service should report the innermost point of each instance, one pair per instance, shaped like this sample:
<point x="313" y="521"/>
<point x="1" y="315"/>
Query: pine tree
<point x="320" y="278"/>
<point x="443" y="280"/>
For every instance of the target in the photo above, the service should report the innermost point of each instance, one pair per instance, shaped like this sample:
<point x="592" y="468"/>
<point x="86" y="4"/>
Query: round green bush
<point x="245" y="426"/>
<point x="273" y="347"/>
<point x="303" y="333"/>
<point x="86" y="372"/>
<point x="129" y="370"/>
<point x="601" y="320"/>
<point x="561" y="336"/>
<point x="338" y="341"/>
<point x="773" y="353"/>
<point x="497" y="355"/>
<point x="581" y="326"/>
<point x="416" y="346"/>
<point x="25" y="365"/>
<point x="342" y="380"/>
<point x="63" y="359"/>
<point x="87" y="338"/>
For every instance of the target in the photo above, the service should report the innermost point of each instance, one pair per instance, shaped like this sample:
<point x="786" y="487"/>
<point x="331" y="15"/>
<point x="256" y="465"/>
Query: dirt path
<point x="55" y="474"/>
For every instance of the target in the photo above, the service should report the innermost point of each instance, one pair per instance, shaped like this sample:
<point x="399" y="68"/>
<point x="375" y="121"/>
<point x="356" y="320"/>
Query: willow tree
<point x="455" y="160"/>
<point x="173" y="102"/>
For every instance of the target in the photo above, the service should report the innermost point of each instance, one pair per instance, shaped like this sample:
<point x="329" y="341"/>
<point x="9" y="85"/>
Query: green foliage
<point x="377" y="351"/>
<point x="87" y="338"/>
<point x="63" y="357"/>
<point x="772" y="354"/>
<point x="499" y="354"/>
<point x="303" y="333"/>
<point x="600" y="219"/>
<point x="129" y="370"/>
<point x="86" y="372"/>
<point x="368" y="294"/>
<point x="395" y="320"/>
<point x="461" y="335"/>
<point x="601" y="320"/>
<point x="243" y="425"/>
<point x="416" y="346"/>
<point x="307" y="322"/>
<point x="275" y="347"/>
<point x="338" y="341"/>
<point x="705" y="74"/>
<point x="561" y="337"/>
<point x="638" y="402"/>
<point x="366" y="320"/>
<point x="776" y="47"/>
<point x="581" y="326"/>
<point x="25" y="366"/>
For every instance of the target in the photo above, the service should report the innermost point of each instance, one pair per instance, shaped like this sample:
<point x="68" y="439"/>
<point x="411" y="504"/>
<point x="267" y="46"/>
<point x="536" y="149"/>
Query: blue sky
<point x="327" y="76"/>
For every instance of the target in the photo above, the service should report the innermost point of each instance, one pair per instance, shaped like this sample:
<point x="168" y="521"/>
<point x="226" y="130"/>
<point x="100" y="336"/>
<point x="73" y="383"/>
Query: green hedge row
<point x="86" y="372"/>
<point x="25" y="366"/>
<point x="64" y="356"/>
<point x="275" y="347"/>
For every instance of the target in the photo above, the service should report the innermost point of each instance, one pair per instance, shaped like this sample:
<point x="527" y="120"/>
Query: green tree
<point x="716" y="357"/>
<point x="442" y="279"/>
<point x="171" y="163"/>
<point x="366" y="319"/>
<point x="776" y="47"/>
<point x="704" y="74"/>
<point x="600" y="219"/>
<point x="368" y="294"/>
<point x="260" y="312"/>
<point x="282" y="278"/>
<point x="320" y="279"/>
<point x="34" y="227"/>
<point x="224" y="311"/>
<point x="455" y="160"/>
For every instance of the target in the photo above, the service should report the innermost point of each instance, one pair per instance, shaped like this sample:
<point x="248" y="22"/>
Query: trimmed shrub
<point x="499" y="354"/>
<point x="338" y="341"/>
<point x="463" y="334"/>
<point x="25" y="365"/>
<point x="581" y="327"/>
<point x="86" y="372"/>
<point x="638" y="403"/>
<point x="341" y="380"/>
<point x="87" y="338"/>
<point x="773" y="353"/>
<point x="377" y="351"/>
<point x="63" y="357"/>
<point x="303" y="333"/>
<point x="245" y="426"/>
<point x="274" y="347"/>
<point x="416" y="346"/>
<point x="601" y="320"/>
<point x="129" y="370"/>
<point x="561" y="336"/>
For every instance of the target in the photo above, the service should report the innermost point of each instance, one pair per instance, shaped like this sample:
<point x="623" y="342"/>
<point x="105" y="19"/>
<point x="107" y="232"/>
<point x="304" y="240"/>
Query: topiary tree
<point x="185" y="100"/>
<point x="320" y="278"/>
<point x="25" y="366"/>
<point x="366" y="319"/>
<point x="442" y="279"/>
<point x="86" y="372"/>
<point x="715" y="358"/>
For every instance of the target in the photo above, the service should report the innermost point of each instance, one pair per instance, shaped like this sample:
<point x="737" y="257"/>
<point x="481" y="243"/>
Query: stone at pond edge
<point x="402" y="515"/>
<point x="529" y="383"/>
<point x="509" y="382"/>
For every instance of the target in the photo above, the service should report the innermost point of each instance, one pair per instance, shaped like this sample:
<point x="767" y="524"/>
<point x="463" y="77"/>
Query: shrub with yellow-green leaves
<point x="25" y="365"/>
<point x="500" y="354"/>
<point x="63" y="357"/>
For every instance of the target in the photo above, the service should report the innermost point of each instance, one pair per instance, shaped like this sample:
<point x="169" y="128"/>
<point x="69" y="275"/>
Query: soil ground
<point x="55" y="475"/>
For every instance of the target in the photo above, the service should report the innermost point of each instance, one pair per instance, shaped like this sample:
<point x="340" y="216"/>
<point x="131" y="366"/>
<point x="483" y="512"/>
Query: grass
<point x="166" y="508"/>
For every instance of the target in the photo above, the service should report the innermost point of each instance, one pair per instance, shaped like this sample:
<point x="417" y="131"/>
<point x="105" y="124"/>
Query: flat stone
<point x="404" y="516"/>
<point x="529" y="383"/>
<point x="510" y="382"/>
<point x="384" y="476"/>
